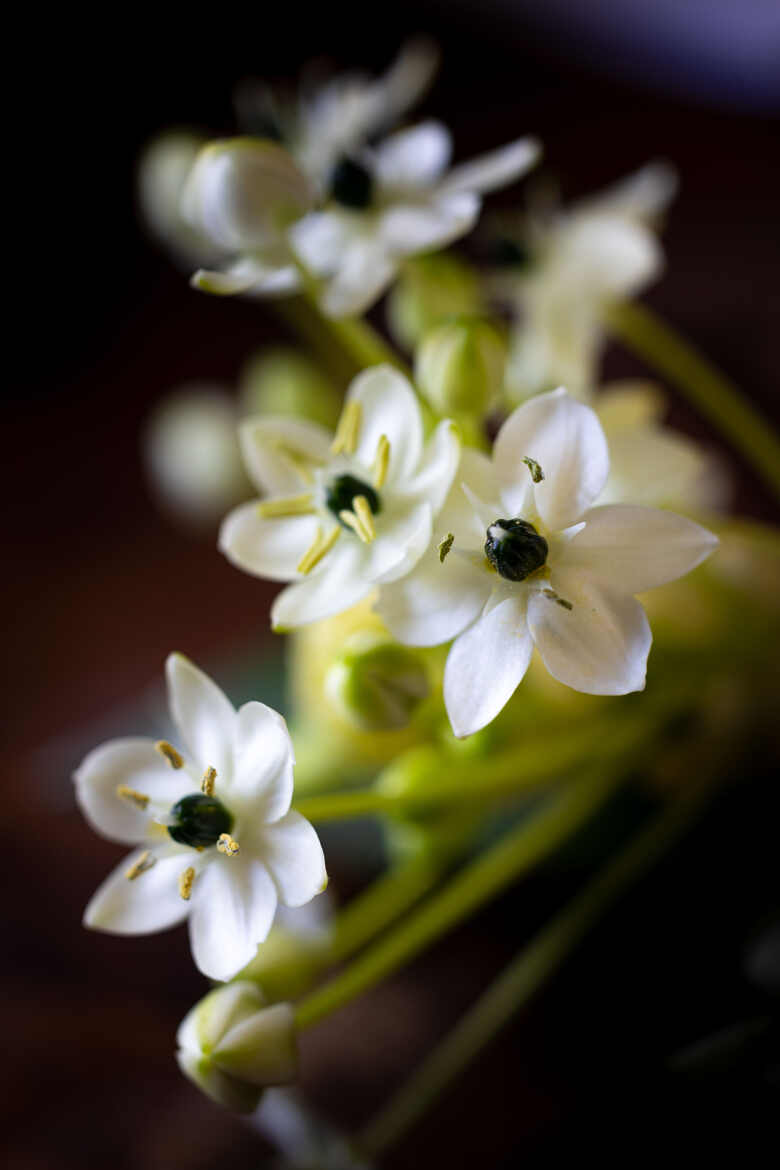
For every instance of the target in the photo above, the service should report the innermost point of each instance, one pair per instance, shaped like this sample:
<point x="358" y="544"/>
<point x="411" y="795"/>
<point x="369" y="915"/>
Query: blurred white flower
<point x="532" y="563"/>
<point x="343" y="514"/>
<point x="214" y="833"/>
<point x="242" y="194"/>
<point x="397" y="201"/>
<point x="571" y="265"/>
<point x="162" y="172"/>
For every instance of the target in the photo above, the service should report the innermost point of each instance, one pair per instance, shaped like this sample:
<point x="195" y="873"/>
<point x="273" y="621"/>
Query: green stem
<point x="506" y="773"/>
<point x="714" y="395"/>
<point x="526" y="974"/>
<point x="481" y="880"/>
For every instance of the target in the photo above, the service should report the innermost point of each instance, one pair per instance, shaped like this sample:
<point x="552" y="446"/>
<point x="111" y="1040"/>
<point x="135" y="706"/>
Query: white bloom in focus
<point x="344" y="514"/>
<point x="242" y="194"/>
<point x="397" y="201"/>
<point x="602" y="250"/>
<point x="533" y="563"/>
<point x="214" y="833"/>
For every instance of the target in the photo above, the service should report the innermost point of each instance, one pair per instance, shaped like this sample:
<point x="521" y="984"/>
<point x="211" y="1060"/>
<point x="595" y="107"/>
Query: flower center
<point x="510" y="253"/>
<point x="199" y="820"/>
<point x="342" y="490"/>
<point x="351" y="184"/>
<point x="515" y="549"/>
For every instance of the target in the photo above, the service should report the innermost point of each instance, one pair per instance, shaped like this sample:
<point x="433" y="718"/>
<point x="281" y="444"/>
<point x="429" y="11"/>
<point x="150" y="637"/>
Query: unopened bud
<point x="460" y="365"/>
<point x="163" y="169"/>
<point x="233" y="1046"/>
<point x="242" y="192"/>
<point x="377" y="684"/>
<point x="280" y="380"/>
<point x="429" y="290"/>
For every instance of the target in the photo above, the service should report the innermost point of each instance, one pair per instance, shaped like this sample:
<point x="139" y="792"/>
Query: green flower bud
<point x="430" y="289"/>
<point x="377" y="684"/>
<point x="459" y="367"/>
<point x="232" y="1046"/>
<point x="282" y="381"/>
<point x="287" y="963"/>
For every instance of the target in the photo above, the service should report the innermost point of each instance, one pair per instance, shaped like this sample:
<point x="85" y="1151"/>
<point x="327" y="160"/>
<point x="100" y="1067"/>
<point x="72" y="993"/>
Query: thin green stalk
<point x="714" y="395"/>
<point x="481" y="880"/>
<point x="526" y="974"/>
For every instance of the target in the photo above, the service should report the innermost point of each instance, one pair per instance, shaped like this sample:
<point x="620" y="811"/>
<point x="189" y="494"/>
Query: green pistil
<point x="351" y="184"/>
<point x="342" y="490"/>
<point x="515" y="549"/>
<point x="200" y="820"/>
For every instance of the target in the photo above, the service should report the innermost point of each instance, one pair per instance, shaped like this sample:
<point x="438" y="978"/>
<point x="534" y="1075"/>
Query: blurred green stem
<point x="714" y="395"/>
<point x="526" y="974"/>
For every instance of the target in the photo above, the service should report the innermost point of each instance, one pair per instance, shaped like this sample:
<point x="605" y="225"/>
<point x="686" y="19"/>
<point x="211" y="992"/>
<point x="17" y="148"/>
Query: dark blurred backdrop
<point x="99" y="586"/>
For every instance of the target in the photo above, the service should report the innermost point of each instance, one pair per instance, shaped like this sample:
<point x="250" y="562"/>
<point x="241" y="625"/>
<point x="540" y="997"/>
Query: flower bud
<point x="280" y="380"/>
<point x="162" y="172"/>
<point x="430" y="289"/>
<point x="459" y="367"/>
<point x="376" y="683"/>
<point x="232" y="1046"/>
<point x="242" y="192"/>
<point x="192" y="454"/>
<point x="287" y="963"/>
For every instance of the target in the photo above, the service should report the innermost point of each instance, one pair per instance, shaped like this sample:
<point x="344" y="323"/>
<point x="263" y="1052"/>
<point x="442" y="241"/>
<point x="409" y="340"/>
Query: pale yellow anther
<point x="185" y="883"/>
<point x="351" y="521"/>
<point x="144" y="862"/>
<point x="317" y="550"/>
<point x="207" y="783"/>
<point x="347" y="431"/>
<point x="296" y="460"/>
<point x="445" y="545"/>
<point x="381" y="461"/>
<point x="227" y="845"/>
<point x="301" y="505"/>
<point x="362" y="509"/>
<point x="169" y="751"/>
<point x="138" y="798"/>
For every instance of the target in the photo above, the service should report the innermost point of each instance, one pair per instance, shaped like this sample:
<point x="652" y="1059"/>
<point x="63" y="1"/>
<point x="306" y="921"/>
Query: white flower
<point x="214" y="833"/>
<point x="344" y="514"/>
<point x="242" y="194"/>
<point x="604" y="249"/>
<point x="533" y="563"/>
<point x="393" y="202"/>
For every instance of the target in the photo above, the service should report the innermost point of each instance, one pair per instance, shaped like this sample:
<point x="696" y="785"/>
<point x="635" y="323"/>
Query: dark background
<point x="99" y="587"/>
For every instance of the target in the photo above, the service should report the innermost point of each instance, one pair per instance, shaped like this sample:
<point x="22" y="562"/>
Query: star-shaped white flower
<point x="533" y="563"/>
<point x="212" y="827"/>
<point x="602" y="250"/>
<point x="343" y="514"/>
<point x="393" y="202"/>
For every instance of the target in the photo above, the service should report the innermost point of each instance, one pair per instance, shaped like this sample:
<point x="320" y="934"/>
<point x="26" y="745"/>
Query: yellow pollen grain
<point x="138" y="798"/>
<point x="185" y="883"/>
<point x="169" y="751"/>
<point x="207" y="783"/>
<point x="381" y="461"/>
<point x="144" y="862"/>
<point x="362" y="510"/>
<point x="227" y="845"/>
<point x="317" y="550"/>
<point x="347" y="431"/>
<point x="301" y="505"/>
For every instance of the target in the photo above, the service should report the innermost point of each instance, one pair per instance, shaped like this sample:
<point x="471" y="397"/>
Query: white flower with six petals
<point x="215" y="837"/>
<point x="533" y="563"/>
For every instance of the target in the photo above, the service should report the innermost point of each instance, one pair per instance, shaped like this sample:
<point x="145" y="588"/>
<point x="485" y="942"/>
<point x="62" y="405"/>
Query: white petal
<point x="474" y="480"/>
<point x="485" y="665"/>
<point x="415" y="157"/>
<point x="138" y="765"/>
<point x="321" y="238"/>
<point x="409" y="228"/>
<point x="406" y="80"/>
<point x="566" y="439"/>
<point x="203" y="714"/>
<point x="435" y="602"/>
<point x="263" y="770"/>
<point x="600" y="645"/>
<point x="389" y="407"/>
<point x="149" y="903"/>
<point x="438" y="465"/>
<point x="628" y="404"/>
<point x="659" y="467"/>
<point x="264" y="278"/>
<point x="277" y="450"/>
<point x="363" y="274"/>
<point x="335" y="585"/>
<point x="291" y="849"/>
<point x="606" y="256"/>
<point x="233" y="906"/>
<point x="405" y="535"/>
<point x="631" y="549"/>
<point x="267" y="548"/>
<point x="641" y="196"/>
<point x="495" y="169"/>
<point x="232" y="281"/>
